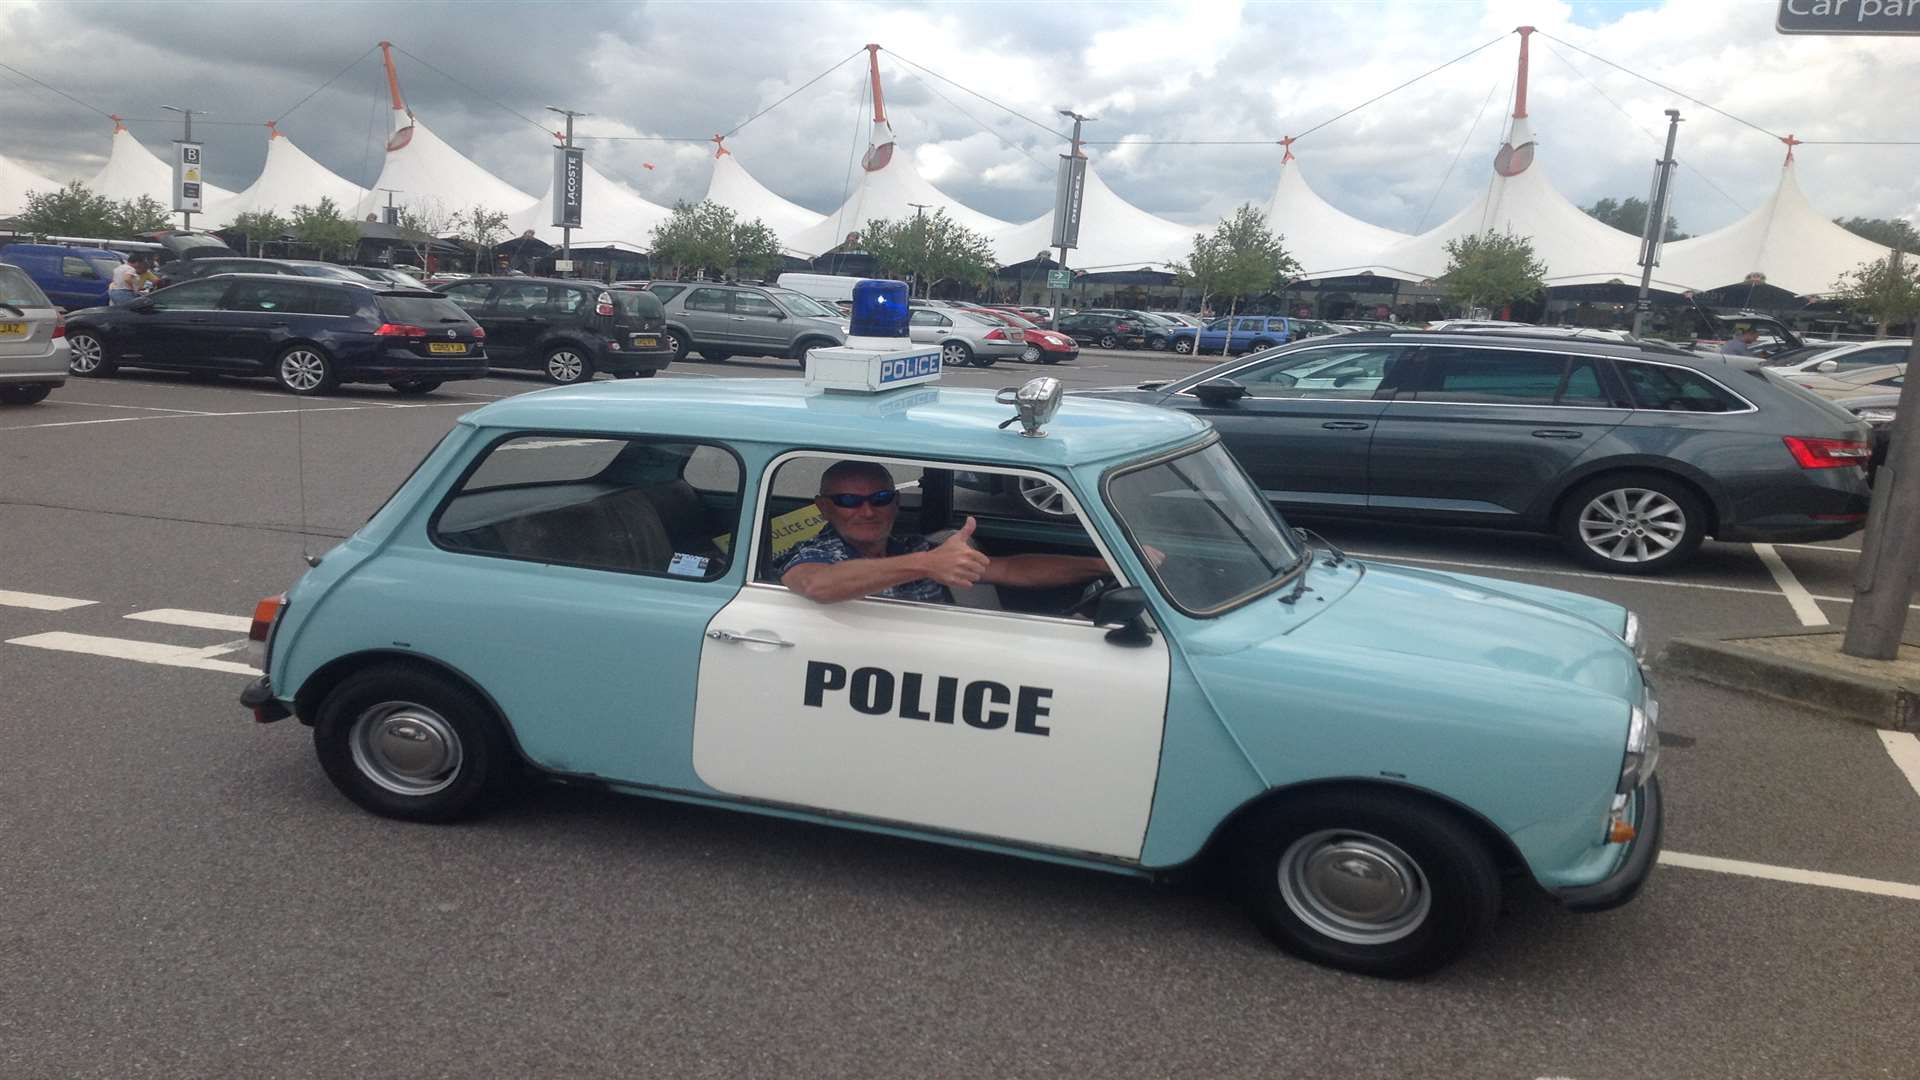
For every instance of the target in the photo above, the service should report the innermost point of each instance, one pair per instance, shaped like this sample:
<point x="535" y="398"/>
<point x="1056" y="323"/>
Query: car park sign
<point x="1848" y="17"/>
<point x="186" y="176"/>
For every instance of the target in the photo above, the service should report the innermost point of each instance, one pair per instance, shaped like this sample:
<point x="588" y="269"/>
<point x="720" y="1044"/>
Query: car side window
<point x="706" y="300"/>
<point x="1249" y="324"/>
<point x="190" y="296"/>
<point x="566" y="301"/>
<point x="928" y="317"/>
<point x="1674" y="389"/>
<point x="1322" y="373"/>
<point x="1873" y="358"/>
<point x="268" y="296"/>
<point x="1893" y="380"/>
<point x="640" y="506"/>
<point x="747" y="303"/>
<point x="325" y="301"/>
<point x="73" y="267"/>
<point x="1493" y="376"/>
<point x="520" y="298"/>
<point x="666" y="292"/>
<point x="469" y="297"/>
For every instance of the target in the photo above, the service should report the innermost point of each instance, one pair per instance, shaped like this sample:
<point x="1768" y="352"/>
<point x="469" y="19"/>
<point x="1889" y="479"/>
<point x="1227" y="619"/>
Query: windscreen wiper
<point x="1334" y="555"/>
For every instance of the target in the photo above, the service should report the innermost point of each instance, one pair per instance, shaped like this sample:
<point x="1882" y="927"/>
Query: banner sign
<point x="1848" y="17"/>
<point x="1069" y="189"/>
<point x="569" y="168"/>
<point x="186" y="176"/>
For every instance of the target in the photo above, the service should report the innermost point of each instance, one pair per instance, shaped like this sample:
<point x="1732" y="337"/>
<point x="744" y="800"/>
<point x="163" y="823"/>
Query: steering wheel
<point x="1090" y="596"/>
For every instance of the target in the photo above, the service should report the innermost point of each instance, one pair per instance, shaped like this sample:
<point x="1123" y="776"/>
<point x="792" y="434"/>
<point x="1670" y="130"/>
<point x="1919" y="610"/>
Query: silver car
<point x="33" y="340"/>
<point x="720" y="321"/>
<point x="1847" y="358"/>
<point x="965" y="339"/>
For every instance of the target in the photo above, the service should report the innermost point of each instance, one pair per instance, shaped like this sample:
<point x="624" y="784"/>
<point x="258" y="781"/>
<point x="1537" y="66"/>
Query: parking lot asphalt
<point x="182" y="893"/>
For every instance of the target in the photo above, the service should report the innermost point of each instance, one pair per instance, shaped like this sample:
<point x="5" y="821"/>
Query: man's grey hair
<point x="849" y="470"/>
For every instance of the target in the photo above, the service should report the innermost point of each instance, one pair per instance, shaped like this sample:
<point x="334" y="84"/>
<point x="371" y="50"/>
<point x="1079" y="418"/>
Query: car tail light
<point x="996" y="335"/>
<point x="603" y="304"/>
<point x="1123" y="328"/>
<point x="479" y="333"/>
<point x="59" y="326"/>
<point x="400" y="330"/>
<point x="265" y="614"/>
<point x="1814" y="453"/>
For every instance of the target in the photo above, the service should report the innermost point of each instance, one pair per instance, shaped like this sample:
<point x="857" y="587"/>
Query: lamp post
<point x="187" y="115"/>
<point x="566" y="231"/>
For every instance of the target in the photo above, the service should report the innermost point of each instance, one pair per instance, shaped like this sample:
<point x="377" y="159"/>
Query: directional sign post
<point x="1059" y="279"/>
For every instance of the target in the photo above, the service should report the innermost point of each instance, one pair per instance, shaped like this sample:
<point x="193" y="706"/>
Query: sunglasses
<point x="847" y="501"/>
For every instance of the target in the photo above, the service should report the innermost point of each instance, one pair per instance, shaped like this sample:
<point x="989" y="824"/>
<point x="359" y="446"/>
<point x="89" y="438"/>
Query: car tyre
<point x="1183" y="346"/>
<point x="1158" y="343"/>
<point x="567" y="365"/>
<point x="87" y="355"/>
<point x="1374" y="882"/>
<point x="716" y="357"/>
<point x="407" y="742"/>
<point x="647" y="374"/>
<point x="1263" y="343"/>
<point x="678" y="343"/>
<point x="1632" y="523"/>
<point x="955" y="354"/>
<point x="415" y="387"/>
<point x="1030" y="354"/>
<point x="801" y="348"/>
<point x="306" y="370"/>
<point x="1108" y="341"/>
<point x="24" y="395"/>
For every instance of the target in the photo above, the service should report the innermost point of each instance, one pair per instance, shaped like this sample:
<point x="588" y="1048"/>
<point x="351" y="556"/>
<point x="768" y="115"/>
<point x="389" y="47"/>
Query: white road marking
<point x="1790" y="874"/>
<point x="1821" y="547"/>
<point x="40" y="601"/>
<point x="137" y="408"/>
<point x="1804" y="608"/>
<point x="1904" y="748"/>
<point x="1623" y="580"/>
<point x="205" y="620"/>
<point x="145" y="652"/>
<point x="260" y="412"/>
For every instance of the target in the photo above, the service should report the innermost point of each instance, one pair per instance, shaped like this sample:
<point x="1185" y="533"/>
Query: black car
<point x="1105" y="331"/>
<point x="566" y="329"/>
<point x="1633" y="453"/>
<point x="1153" y="328"/>
<point x="183" y="270"/>
<point x="310" y="334"/>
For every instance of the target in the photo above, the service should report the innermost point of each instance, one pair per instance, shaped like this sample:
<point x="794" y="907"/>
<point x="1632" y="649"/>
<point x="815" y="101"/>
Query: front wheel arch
<point x="1498" y="844"/>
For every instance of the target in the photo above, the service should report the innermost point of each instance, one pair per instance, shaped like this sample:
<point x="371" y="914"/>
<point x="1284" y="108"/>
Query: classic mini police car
<point x="587" y="580"/>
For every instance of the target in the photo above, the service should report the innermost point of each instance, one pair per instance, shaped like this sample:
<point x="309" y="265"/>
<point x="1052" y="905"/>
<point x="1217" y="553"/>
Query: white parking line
<point x="205" y="620"/>
<point x="1798" y="598"/>
<point x="136" y="408"/>
<point x="1821" y="547"/>
<point x="1790" y="874"/>
<point x="39" y="601"/>
<point x="145" y="652"/>
<point x="1904" y="748"/>
<point x="260" y="412"/>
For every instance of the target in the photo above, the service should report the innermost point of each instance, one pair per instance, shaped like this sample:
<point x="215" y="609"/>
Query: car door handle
<point x="1556" y="433"/>
<point x="748" y="639"/>
<point x="1344" y="425"/>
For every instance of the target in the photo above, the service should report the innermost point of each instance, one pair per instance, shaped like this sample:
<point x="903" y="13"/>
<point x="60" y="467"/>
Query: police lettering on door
<point x="979" y="703"/>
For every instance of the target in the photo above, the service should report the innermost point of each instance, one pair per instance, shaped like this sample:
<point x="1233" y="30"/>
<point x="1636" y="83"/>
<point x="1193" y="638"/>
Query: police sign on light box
<point x="878" y="354"/>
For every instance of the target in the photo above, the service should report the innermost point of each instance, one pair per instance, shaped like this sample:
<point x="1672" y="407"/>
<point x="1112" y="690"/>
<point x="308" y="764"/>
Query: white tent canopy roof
<point x="290" y="178"/>
<point x="15" y="184"/>
<point x="1520" y="201"/>
<point x="609" y="211"/>
<point x="427" y="173"/>
<point x="1785" y="239"/>
<point x="889" y="193"/>
<point x="1325" y="240"/>
<point x="734" y="188"/>
<point x="1114" y="234"/>
<point x="132" y="170"/>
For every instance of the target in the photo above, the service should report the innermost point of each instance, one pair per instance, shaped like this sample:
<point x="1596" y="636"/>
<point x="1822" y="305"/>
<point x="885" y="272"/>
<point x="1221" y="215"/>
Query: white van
<point x="826" y="288"/>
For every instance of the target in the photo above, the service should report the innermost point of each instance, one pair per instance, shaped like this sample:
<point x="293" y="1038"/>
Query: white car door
<point x="1024" y="729"/>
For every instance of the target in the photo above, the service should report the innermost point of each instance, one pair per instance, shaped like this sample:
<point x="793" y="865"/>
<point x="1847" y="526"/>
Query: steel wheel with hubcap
<point x="87" y="355"/>
<point x="1632" y="523"/>
<point x="305" y="370"/>
<point x="567" y="365"/>
<point x="407" y="741"/>
<point x="1030" y="354"/>
<point x="1354" y="887"/>
<point x="955" y="354"/>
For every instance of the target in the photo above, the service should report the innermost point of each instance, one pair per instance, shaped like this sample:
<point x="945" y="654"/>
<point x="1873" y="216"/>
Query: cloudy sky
<point x="1153" y="73"/>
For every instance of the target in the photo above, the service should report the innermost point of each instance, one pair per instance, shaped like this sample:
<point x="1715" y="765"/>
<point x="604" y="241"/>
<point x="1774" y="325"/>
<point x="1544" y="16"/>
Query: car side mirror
<point x="1219" y="391"/>
<point x="1124" y="610"/>
<point x="1828" y="365"/>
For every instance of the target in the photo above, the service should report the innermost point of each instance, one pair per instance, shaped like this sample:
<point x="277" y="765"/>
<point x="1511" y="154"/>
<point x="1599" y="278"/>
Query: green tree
<point x="931" y="249"/>
<point x="322" y="228"/>
<point x="1492" y="270"/>
<point x="755" y="248"/>
<point x="421" y="223"/>
<point x="260" y="227"/>
<point x="1892" y="232"/>
<point x="705" y="237"/>
<point x="1886" y="291"/>
<point x="74" y="210"/>
<point x="131" y="217"/>
<point x="1243" y="258"/>
<point x="1201" y="271"/>
<point x="1630" y="215"/>
<point x="482" y="228"/>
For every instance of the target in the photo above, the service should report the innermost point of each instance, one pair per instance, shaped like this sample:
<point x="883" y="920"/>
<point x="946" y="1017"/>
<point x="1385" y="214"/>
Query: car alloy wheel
<point x="1043" y="497"/>
<point x="406" y="748"/>
<point x="566" y="366"/>
<point x="1632" y="525"/>
<point x="84" y="354"/>
<point x="1108" y="341"/>
<point x="1354" y="887"/>
<point x="1183" y="346"/>
<point x="1030" y="354"/>
<point x="304" y="371"/>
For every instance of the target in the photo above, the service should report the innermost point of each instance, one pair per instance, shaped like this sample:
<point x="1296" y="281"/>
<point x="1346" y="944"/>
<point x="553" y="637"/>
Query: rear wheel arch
<point x="306" y="701"/>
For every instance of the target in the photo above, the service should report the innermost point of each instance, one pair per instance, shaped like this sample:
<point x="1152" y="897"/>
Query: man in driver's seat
<point x="857" y="553"/>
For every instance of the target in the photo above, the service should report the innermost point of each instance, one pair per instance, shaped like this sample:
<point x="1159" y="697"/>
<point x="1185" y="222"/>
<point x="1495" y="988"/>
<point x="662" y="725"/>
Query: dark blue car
<point x="72" y="277"/>
<point x="1247" y="332"/>
<point x="309" y="334"/>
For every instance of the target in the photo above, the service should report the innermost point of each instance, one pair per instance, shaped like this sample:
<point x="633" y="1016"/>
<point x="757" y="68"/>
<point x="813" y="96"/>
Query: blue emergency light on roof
<point x="879" y="309"/>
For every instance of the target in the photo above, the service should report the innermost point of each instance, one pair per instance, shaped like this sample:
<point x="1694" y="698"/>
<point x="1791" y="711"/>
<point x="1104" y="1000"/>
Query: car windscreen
<point x="803" y="305"/>
<point x="18" y="290"/>
<point x="421" y="310"/>
<point x="1209" y="537"/>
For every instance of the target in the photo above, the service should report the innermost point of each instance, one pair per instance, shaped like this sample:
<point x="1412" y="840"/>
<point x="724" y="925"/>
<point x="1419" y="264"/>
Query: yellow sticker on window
<point x="788" y="529"/>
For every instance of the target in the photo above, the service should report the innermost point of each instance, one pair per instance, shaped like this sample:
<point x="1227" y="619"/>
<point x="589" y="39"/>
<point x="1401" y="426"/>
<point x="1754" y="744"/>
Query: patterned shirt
<point x="829" y="548"/>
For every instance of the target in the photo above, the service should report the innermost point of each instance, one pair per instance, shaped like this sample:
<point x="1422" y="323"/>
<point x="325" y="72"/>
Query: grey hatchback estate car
<point x="719" y="320"/>
<point x="1631" y="452"/>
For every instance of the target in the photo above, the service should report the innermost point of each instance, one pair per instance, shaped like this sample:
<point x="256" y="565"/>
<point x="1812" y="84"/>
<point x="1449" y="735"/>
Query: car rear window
<point x="18" y="289"/>
<point x="420" y="310"/>
<point x="639" y="304"/>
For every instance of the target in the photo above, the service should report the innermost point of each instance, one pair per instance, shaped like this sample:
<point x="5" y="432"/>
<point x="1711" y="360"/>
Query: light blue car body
<point x="1510" y="702"/>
